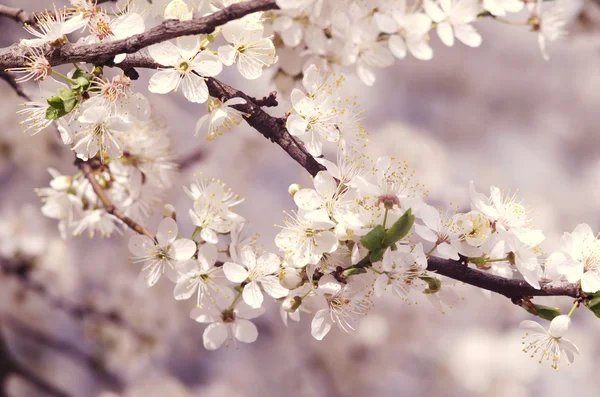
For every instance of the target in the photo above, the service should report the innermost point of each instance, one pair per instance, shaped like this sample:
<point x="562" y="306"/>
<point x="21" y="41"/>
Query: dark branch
<point x="503" y="286"/>
<point x="104" y="53"/>
<point x="88" y="172"/>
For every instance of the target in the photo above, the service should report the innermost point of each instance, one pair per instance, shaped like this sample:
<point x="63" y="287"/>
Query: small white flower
<point x="226" y="323"/>
<point x="99" y="132"/>
<point x="178" y="9"/>
<point x="160" y="256"/>
<point x="104" y="29"/>
<point x="454" y="20"/>
<point x="400" y="271"/>
<point x="409" y="33"/>
<point x="247" y="48"/>
<point x="199" y="275"/>
<point x="505" y="213"/>
<point x="53" y="26"/>
<point x="550" y="25"/>
<point x="188" y="69"/>
<point x="212" y="208"/>
<point x="447" y="233"/>
<point x="306" y="237"/>
<point x="327" y="194"/>
<point x="581" y="258"/>
<point x="35" y="67"/>
<point x="259" y="271"/>
<point x="97" y="220"/>
<point x="36" y="120"/>
<point x="551" y="344"/>
<point x="117" y="96"/>
<point x="499" y="8"/>
<point x="342" y="306"/>
<point x="220" y="116"/>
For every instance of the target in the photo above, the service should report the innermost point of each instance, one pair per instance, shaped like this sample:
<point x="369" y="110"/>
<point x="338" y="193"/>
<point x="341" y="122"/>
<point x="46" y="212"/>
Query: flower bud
<point x="169" y="212"/>
<point x="290" y="305"/>
<point x="291" y="278"/>
<point x="293" y="189"/>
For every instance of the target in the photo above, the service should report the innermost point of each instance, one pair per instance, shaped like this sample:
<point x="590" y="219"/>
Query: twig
<point x="269" y="101"/>
<point x="109" y="207"/>
<point x="104" y="53"/>
<point x="9" y="78"/>
<point x="16" y="14"/>
<point x="191" y="159"/>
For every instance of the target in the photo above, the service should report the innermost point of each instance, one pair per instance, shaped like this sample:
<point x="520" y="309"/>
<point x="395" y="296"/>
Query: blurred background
<point x="79" y="320"/>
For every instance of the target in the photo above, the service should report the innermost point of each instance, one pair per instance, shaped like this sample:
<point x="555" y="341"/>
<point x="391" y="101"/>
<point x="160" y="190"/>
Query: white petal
<point x="444" y="31"/>
<point x="559" y="326"/>
<point x="296" y="125"/>
<point x="253" y="295"/>
<point x="214" y="336"/>
<point x="207" y="64"/>
<point x="163" y="81"/>
<point x="194" y="88"/>
<point x="165" y="53"/>
<point x="141" y="245"/>
<point x="184" y="249"/>
<point x="321" y="324"/>
<point x="234" y="272"/>
<point x="245" y="331"/>
<point x="183" y="289"/>
<point x="326" y="241"/>
<point x="273" y="287"/>
<point x="167" y="232"/>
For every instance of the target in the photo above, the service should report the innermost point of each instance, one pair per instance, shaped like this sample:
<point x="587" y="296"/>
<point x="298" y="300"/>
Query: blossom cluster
<point x="361" y="231"/>
<point x="367" y="35"/>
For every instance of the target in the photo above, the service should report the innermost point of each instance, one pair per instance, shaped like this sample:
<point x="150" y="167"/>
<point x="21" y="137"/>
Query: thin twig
<point x="109" y="207"/>
<point x="104" y="53"/>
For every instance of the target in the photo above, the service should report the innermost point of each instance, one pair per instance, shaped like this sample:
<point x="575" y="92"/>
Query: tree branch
<point x="500" y="285"/>
<point x="23" y="17"/>
<point x="104" y="53"/>
<point x="88" y="172"/>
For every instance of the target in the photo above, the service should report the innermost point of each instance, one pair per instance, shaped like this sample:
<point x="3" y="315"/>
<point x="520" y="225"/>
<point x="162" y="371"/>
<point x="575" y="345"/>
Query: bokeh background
<point x="498" y="114"/>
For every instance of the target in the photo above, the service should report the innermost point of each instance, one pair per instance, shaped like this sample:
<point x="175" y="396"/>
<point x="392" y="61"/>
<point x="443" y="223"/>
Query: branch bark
<point x="88" y="172"/>
<point x="104" y="53"/>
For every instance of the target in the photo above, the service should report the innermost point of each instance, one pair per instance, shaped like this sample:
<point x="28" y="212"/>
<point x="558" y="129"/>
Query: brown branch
<point x="16" y="14"/>
<point x="503" y="286"/>
<point x="191" y="159"/>
<point x="272" y="128"/>
<point x="104" y="53"/>
<point x="23" y="17"/>
<point x="88" y="172"/>
<point x="9" y="78"/>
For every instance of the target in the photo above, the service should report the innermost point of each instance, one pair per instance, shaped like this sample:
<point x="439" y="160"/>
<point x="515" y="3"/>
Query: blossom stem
<point x="235" y="300"/>
<point x="496" y="260"/>
<point x="575" y="306"/>
<point x="431" y="250"/>
<point x="385" y="217"/>
<point x="62" y="76"/>
<point x="307" y="292"/>
<point x="375" y="271"/>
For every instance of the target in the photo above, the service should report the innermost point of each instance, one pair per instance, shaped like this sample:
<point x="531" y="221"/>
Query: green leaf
<point x="399" y="229"/>
<point x="80" y="84"/>
<point x="56" y="102"/>
<point x="54" y="113"/>
<point x="594" y="305"/>
<point x="80" y="73"/>
<point x="70" y="104"/>
<point x="65" y="93"/>
<point x="545" y="312"/>
<point x="435" y="285"/>
<point x="376" y="255"/>
<point x="373" y="240"/>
